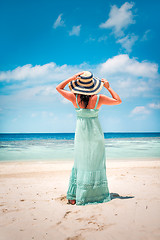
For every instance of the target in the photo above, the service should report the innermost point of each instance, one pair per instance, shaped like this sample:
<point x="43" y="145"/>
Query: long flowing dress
<point x="88" y="181"/>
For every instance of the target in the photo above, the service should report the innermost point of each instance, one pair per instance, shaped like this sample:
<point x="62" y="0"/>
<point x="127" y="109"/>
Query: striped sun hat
<point x="86" y="85"/>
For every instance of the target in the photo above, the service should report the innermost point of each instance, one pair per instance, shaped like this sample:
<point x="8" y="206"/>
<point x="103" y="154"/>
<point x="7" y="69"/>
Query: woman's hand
<point x="106" y="83"/>
<point x="76" y="76"/>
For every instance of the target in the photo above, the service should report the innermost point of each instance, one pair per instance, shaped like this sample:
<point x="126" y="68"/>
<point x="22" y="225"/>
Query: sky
<point x="45" y="42"/>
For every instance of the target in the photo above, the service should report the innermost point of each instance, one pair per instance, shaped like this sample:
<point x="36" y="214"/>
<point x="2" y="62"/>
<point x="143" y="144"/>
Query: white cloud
<point x="145" y="36"/>
<point x="154" y="105"/>
<point x="144" y="110"/>
<point x="38" y="74"/>
<point x="99" y="39"/>
<point x="34" y="114"/>
<point x="27" y="71"/>
<point x="120" y="64"/>
<point x="42" y="90"/>
<point x="139" y="110"/>
<point x="102" y="38"/>
<point x="123" y="64"/>
<point x="59" y="22"/>
<point x="119" y="18"/>
<point x="75" y="30"/>
<point x="93" y="39"/>
<point x="128" y="76"/>
<point x="128" y="41"/>
<point x="90" y="39"/>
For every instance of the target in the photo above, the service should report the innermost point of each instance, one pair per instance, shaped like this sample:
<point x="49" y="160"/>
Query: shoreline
<point x="135" y="159"/>
<point x="44" y="167"/>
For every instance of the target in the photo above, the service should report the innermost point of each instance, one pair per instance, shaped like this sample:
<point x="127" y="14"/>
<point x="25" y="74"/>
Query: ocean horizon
<point x="60" y="146"/>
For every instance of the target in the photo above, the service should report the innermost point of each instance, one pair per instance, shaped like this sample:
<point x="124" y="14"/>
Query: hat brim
<point x="78" y="88"/>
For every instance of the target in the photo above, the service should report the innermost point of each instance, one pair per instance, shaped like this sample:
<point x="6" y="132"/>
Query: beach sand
<point x="33" y="203"/>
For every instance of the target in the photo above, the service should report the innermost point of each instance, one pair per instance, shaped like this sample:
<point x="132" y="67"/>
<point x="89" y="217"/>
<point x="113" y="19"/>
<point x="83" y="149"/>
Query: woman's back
<point x="103" y="100"/>
<point x="91" y="103"/>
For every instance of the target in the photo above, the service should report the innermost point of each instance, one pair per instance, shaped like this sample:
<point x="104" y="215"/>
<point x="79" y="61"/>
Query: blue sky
<point x="44" y="42"/>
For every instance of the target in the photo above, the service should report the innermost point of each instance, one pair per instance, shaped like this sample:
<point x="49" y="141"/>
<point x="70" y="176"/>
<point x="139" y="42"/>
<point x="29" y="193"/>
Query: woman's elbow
<point x="57" y="88"/>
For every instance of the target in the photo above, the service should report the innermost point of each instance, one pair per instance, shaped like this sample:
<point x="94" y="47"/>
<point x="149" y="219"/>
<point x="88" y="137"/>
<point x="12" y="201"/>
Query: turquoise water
<point x="119" y="146"/>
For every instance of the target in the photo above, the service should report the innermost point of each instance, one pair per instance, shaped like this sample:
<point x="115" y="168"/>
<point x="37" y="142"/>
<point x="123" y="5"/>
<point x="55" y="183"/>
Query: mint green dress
<point x="88" y="182"/>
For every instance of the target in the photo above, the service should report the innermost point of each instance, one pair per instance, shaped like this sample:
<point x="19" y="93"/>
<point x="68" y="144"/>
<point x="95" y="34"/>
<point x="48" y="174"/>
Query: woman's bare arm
<point x="107" y="100"/>
<point x="67" y="94"/>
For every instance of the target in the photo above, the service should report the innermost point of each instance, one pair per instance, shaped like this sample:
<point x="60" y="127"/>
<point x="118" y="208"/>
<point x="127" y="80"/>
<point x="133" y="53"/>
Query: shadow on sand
<point x="116" y="195"/>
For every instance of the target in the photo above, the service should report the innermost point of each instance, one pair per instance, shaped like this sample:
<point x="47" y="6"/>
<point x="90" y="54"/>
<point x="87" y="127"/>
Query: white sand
<point x="33" y="203"/>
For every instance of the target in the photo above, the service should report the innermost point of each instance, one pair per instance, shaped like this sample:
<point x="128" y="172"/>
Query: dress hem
<point x="79" y="203"/>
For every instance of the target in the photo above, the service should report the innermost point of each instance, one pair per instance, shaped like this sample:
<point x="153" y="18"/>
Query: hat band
<point x="86" y="80"/>
<point x="85" y="84"/>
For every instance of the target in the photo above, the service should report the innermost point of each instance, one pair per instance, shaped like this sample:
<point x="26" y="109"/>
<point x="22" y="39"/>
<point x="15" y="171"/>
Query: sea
<point x="119" y="146"/>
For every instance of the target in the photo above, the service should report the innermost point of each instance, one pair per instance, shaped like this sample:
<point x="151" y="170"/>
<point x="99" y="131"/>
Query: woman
<point x="88" y="181"/>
